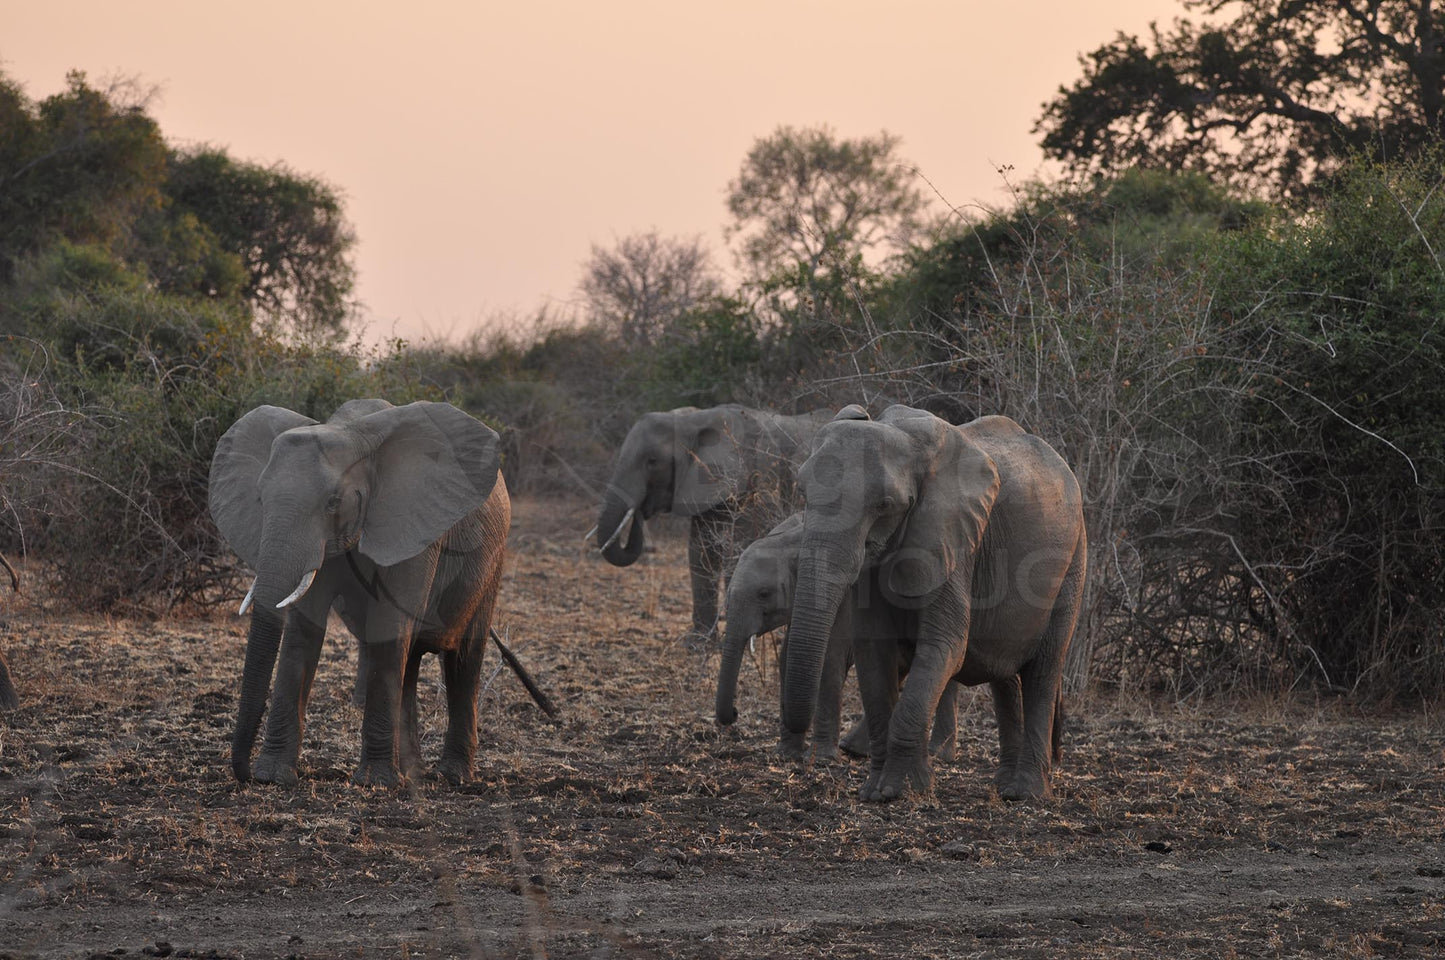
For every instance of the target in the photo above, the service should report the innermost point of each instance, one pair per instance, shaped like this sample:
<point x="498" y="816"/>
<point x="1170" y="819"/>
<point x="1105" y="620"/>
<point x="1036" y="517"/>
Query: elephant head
<point x="684" y="461"/>
<point x="759" y="599"/>
<point x="906" y="495"/>
<point x="288" y="494"/>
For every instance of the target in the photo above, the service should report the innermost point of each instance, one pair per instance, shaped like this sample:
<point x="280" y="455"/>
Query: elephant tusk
<point x="246" y="603"/>
<point x="620" y="527"/>
<point x="753" y="644"/>
<point x="300" y="590"/>
<point x="589" y="534"/>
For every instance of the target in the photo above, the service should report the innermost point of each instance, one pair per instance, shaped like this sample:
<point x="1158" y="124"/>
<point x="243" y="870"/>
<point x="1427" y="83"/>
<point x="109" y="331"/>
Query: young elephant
<point x="760" y="599"/>
<point x="398" y="517"/>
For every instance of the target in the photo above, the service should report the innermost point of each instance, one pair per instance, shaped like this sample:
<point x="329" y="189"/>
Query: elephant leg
<point x="706" y="544"/>
<point x="1041" y="678"/>
<point x="876" y="663"/>
<point x="358" y="686"/>
<point x="943" y="744"/>
<point x="295" y="669"/>
<point x="409" y="736"/>
<point x="906" y="767"/>
<point x="791" y="746"/>
<point x="828" y="713"/>
<point x="381" y="722"/>
<point x="1008" y="709"/>
<point x="462" y="672"/>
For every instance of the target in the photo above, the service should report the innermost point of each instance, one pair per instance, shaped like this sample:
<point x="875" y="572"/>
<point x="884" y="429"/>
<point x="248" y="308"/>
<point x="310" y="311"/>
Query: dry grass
<point x="633" y="826"/>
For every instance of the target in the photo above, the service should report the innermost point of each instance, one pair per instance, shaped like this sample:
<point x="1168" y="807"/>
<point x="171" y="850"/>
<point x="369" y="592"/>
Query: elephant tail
<point x="9" y="700"/>
<point x="1057" y="734"/>
<point x="538" y="694"/>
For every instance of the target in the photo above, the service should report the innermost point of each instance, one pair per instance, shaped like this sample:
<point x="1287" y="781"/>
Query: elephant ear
<point x="434" y="465"/>
<point x="235" y="491"/>
<point x="957" y="485"/>
<point x="709" y="463"/>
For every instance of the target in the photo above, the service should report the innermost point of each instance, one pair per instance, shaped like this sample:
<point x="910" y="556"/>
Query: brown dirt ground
<point x="632" y="826"/>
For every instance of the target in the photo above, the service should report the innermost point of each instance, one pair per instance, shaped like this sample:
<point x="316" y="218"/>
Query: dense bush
<point x="145" y="384"/>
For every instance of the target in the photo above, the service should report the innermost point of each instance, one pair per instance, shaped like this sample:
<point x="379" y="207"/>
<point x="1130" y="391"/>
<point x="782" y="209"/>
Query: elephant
<point x="718" y="467"/>
<point x="972" y="539"/>
<point x="9" y="699"/>
<point x="398" y="517"/>
<point x="759" y="598"/>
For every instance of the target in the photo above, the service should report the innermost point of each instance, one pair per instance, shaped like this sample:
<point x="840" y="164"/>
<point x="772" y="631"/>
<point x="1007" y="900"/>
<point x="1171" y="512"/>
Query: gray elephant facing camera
<point x="973" y="537"/>
<point x="727" y="468"/>
<point x="397" y="517"/>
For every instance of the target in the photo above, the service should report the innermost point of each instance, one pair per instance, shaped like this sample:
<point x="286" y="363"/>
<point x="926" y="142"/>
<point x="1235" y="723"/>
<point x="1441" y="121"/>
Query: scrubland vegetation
<point x="1250" y="390"/>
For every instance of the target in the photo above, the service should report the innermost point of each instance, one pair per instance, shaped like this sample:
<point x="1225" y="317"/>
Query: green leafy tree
<point x="90" y="168"/>
<point x="810" y="210"/>
<point x="287" y="229"/>
<point x="81" y="165"/>
<point x="1272" y="93"/>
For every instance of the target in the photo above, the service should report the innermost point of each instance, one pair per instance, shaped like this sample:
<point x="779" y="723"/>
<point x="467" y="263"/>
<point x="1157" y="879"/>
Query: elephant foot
<point x="945" y="749"/>
<point x="456" y="770"/>
<point x="377" y="773"/>
<point x="855" y="741"/>
<point x="825" y="752"/>
<point x="899" y="779"/>
<point x="792" y="746"/>
<point x="1023" y="784"/>
<point x="272" y="768"/>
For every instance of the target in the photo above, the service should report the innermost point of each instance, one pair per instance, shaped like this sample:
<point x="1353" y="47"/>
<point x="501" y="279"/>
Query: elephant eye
<point x="333" y="503"/>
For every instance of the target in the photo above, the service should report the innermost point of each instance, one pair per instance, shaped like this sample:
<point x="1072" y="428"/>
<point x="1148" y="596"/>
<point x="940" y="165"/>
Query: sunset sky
<point x="482" y="148"/>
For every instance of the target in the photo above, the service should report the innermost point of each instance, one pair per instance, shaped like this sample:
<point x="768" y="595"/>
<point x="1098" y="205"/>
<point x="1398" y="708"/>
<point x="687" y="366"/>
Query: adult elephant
<point x="397" y="517"/>
<point x="724" y="467"/>
<point x="973" y="538"/>
<point x="759" y="599"/>
<point x="9" y="699"/>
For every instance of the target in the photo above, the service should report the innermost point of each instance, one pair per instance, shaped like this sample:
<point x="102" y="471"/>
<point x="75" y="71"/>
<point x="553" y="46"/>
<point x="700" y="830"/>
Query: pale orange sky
<point x="483" y="148"/>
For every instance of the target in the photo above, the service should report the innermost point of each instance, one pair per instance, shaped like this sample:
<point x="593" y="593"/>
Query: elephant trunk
<point x="734" y="643"/>
<point x="262" y="642"/>
<point x="286" y="572"/>
<point x="620" y="547"/>
<point x="823" y="579"/>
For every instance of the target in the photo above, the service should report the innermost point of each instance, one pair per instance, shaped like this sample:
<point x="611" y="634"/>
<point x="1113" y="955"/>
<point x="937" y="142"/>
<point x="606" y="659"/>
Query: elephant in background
<point x="972" y="538"/>
<point x="398" y="517"/>
<point x="759" y="598"/>
<point x="9" y="699"/>
<point x="727" y="468"/>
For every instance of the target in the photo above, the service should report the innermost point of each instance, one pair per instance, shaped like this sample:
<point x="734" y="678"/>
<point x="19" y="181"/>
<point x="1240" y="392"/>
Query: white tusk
<point x="589" y="534"/>
<point x="620" y="527"/>
<point x="246" y="603"/>
<point x="753" y="643"/>
<point x="300" y="590"/>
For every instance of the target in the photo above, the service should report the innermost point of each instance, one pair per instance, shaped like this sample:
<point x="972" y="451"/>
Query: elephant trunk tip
<point x="727" y="714"/>
<point x="241" y="768"/>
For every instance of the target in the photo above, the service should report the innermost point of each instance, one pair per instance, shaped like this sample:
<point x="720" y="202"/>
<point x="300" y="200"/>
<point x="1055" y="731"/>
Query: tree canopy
<point x="89" y="167"/>
<point x="1273" y="96"/>
<point x="809" y="208"/>
<point x="643" y="284"/>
